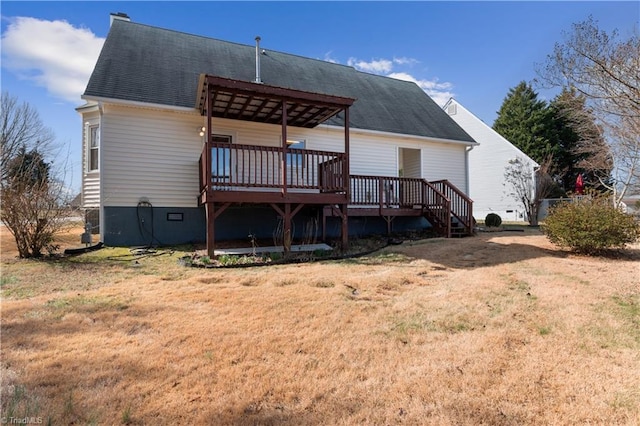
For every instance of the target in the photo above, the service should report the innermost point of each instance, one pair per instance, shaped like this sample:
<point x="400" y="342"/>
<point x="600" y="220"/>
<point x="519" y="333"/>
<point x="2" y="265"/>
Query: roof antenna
<point x="258" y="80"/>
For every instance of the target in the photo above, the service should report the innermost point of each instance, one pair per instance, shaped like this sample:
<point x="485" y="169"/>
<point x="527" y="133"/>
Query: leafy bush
<point x="590" y="225"/>
<point x="493" y="220"/>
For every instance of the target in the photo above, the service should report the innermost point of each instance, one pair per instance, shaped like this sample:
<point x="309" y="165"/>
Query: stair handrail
<point x="439" y="209"/>
<point x="461" y="204"/>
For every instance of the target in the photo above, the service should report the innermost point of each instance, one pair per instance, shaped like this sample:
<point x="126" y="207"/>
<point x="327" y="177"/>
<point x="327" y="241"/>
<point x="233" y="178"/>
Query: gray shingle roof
<point x="154" y="65"/>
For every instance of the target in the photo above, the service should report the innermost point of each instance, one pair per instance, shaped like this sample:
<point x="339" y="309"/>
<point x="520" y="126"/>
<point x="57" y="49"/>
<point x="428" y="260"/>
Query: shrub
<point x="590" y="225"/>
<point x="493" y="220"/>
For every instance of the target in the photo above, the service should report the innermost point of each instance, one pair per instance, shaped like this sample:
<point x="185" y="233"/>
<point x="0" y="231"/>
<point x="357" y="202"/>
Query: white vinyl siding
<point x="373" y="157"/>
<point x="487" y="164"/>
<point x="90" y="178"/>
<point x="151" y="154"/>
<point x="444" y="161"/>
<point x="91" y="192"/>
<point x="371" y="154"/>
<point x="154" y="154"/>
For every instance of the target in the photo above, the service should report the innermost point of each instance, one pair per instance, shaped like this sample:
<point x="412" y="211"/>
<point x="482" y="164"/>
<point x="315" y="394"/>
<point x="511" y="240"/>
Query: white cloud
<point x="405" y="61"/>
<point x="378" y="66"/>
<point x="53" y="54"/>
<point x="439" y="92"/>
<point x="329" y="58"/>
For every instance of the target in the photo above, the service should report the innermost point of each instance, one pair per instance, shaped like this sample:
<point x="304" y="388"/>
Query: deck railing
<point x="238" y="167"/>
<point x="235" y="166"/>
<point x="331" y="175"/>
<point x="461" y="205"/>
<point x="437" y="208"/>
<point x="396" y="192"/>
<point x="385" y="191"/>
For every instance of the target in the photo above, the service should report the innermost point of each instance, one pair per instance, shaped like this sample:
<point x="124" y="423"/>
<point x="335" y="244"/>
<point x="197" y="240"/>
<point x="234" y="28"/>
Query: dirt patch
<point x="501" y="328"/>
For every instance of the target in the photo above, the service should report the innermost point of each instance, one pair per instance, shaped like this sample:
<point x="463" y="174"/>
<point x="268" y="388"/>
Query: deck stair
<point x="447" y="208"/>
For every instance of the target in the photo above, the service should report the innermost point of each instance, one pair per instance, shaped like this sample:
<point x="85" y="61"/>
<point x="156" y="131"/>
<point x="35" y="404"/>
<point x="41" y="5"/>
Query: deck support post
<point x="347" y="184"/>
<point x="287" y="237"/>
<point x="345" y="227"/>
<point x="345" y="171"/>
<point x="324" y="226"/>
<point x="389" y="220"/>
<point x="211" y="239"/>
<point x="209" y="205"/>
<point x="287" y="216"/>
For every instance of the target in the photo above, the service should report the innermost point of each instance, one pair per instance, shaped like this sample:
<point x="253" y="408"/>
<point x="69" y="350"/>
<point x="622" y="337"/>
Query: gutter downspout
<point x="101" y="216"/>
<point x="466" y="166"/>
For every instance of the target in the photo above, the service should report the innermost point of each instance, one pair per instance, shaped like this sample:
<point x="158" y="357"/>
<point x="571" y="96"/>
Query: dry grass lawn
<point x="500" y="329"/>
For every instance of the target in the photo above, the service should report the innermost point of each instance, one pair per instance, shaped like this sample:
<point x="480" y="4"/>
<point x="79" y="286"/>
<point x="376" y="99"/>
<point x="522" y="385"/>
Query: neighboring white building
<point x="487" y="163"/>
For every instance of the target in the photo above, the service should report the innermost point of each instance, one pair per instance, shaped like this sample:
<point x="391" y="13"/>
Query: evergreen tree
<point x="28" y="169"/>
<point x="526" y="122"/>
<point x="580" y="141"/>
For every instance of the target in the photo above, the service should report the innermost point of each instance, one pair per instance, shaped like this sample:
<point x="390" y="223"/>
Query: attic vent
<point x="452" y="109"/>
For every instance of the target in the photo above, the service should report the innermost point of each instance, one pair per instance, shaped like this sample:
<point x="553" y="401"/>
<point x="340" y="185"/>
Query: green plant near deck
<point x="275" y="256"/>
<point x="230" y="260"/>
<point x="319" y="254"/>
<point x="493" y="220"/>
<point x="591" y="225"/>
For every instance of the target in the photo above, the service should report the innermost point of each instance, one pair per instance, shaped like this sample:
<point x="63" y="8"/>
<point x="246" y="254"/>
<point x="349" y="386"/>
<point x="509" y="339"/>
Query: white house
<point x="187" y="139"/>
<point x="487" y="163"/>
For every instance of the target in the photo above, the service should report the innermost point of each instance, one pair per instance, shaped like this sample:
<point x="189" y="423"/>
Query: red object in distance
<point x="579" y="185"/>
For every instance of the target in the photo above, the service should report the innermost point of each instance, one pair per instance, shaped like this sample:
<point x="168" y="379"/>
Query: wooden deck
<point x="272" y="174"/>
<point x="287" y="180"/>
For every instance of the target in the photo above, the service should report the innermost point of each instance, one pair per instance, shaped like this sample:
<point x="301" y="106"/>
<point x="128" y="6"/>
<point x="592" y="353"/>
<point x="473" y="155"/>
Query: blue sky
<point x="473" y="51"/>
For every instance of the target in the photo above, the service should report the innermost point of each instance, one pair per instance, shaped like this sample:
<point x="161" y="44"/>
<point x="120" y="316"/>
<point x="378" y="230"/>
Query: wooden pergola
<point x="326" y="183"/>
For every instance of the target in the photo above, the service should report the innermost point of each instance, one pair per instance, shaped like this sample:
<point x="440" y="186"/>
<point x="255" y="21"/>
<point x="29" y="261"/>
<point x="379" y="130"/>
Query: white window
<point x="295" y="159"/>
<point x="221" y="158"/>
<point x="94" y="148"/>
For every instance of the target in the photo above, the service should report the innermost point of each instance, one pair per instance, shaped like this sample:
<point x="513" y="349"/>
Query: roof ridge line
<point x="117" y="22"/>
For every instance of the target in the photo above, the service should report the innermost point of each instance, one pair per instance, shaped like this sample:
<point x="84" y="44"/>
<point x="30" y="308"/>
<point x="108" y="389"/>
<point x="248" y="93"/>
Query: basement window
<point x="175" y="217"/>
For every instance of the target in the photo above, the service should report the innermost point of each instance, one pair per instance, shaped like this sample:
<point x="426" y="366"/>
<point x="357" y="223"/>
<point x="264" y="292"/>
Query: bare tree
<point x="20" y="128"/>
<point x="32" y="198"/>
<point x="529" y="187"/>
<point x="605" y="70"/>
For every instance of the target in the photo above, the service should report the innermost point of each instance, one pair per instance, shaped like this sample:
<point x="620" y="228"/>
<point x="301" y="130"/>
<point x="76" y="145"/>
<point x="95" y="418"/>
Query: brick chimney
<point x="120" y="16"/>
